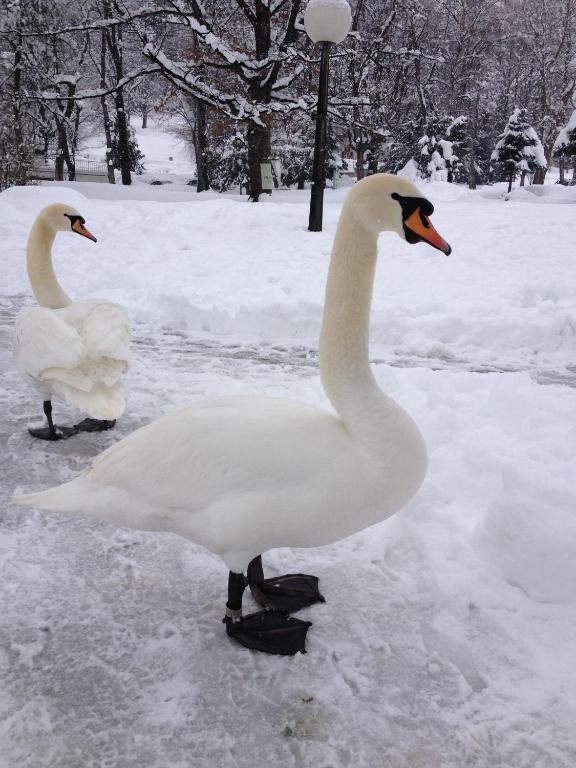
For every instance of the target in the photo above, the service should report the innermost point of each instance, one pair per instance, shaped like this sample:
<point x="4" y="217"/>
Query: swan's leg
<point x="287" y="594"/>
<point x="263" y="631"/>
<point x="51" y="432"/>
<point x="94" y="425"/>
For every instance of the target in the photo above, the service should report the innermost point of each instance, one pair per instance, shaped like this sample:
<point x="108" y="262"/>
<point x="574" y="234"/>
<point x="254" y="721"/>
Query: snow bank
<point x="224" y="266"/>
<point x="530" y="534"/>
<point x="544" y="193"/>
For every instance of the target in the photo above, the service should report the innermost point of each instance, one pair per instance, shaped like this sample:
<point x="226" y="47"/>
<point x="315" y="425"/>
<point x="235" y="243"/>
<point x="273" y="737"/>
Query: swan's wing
<point x="206" y="451"/>
<point x="45" y="344"/>
<point x="105" y="328"/>
<point x="237" y="475"/>
<point x="106" y="331"/>
<point x="80" y="352"/>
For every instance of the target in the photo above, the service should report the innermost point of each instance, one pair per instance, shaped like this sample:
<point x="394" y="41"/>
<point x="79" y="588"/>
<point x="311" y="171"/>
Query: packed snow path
<point x="447" y="636"/>
<point x="116" y="654"/>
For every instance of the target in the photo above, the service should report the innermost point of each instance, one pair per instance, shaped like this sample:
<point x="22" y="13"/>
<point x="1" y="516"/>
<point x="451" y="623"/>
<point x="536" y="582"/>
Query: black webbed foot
<point x="269" y="632"/>
<point x="94" y="425"/>
<point x="53" y="433"/>
<point x="287" y="594"/>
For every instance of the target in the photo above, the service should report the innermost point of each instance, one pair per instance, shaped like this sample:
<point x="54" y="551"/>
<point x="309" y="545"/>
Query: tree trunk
<point x="123" y="138"/>
<point x="539" y="175"/>
<point x="108" y="135"/>
<point x="359" y="150"/>
<point x="200" y="139"/>
<point x="145" y="116"/>
<point x="21" y="165"/>
<point x="258" y="137"/>
<point x="105" y="113"/>
<point x="510" y="180"/>
<point x="63" y="154"/>
<point x="62" y="116"/>
<point x="74" y="143"/>
<point x="114" y="42"/>
<point x="472" y="175"/>
<point x="59" y="168"/>
<point x="561" y="168"/>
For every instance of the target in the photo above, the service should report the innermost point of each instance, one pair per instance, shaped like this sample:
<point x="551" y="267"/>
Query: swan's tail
<point x="101" y="402"/>
<point x="87" y="499"/>
<point x="68" y="498"/>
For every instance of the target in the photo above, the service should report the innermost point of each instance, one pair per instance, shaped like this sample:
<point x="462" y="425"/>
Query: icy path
<point x="113" y="654"/>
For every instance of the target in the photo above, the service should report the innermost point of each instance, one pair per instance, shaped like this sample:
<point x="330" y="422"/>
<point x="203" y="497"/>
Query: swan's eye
<point x="424" y="219"/>
<point x="411" y="204"/>
<point x="74" y="219"/>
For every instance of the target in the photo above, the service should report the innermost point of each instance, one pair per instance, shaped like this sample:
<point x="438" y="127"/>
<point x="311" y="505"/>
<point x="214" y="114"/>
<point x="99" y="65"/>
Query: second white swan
<point x="74" y="350"/>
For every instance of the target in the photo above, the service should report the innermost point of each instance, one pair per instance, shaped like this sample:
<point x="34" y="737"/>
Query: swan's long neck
<point x="344" y="366"/>
<point x="43" y="281"/>
<point x="384" y="434"/>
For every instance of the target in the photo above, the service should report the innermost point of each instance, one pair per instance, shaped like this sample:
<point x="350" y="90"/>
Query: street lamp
<point x="326" y="22"/>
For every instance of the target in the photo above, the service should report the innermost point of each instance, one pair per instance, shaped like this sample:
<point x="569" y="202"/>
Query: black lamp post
<point x="319" y="164"/>
<point x="326" y="23"/>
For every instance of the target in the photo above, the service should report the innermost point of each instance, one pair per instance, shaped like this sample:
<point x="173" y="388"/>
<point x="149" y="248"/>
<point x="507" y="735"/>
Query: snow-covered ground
<point x="448" y="635"/>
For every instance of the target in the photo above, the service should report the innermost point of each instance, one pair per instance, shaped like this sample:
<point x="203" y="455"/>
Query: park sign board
<point x="266" y="176"/>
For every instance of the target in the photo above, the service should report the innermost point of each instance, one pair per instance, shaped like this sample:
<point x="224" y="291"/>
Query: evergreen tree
<point x="134" y="153"/>
<point x="565" y="144"/>
<point x="228" y="166"/>
<point x="15" y="156"/>
<point x="404" y="146"/>
<point x="442" y="148"/>
<point x="296" y="158"/>
<point x="455" y="146"/>
<point x="429" y="157"/>
<point x="519" y="150"/>
<point x="482" y="139"/>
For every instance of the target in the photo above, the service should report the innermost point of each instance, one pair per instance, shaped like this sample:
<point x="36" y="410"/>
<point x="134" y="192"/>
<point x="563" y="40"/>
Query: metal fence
<point x="93" y="167"/>
<point x="45" y="168"/>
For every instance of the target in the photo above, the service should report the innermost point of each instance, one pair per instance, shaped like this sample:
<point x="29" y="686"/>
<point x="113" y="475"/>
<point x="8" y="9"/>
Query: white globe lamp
<point x="327" y="21"/>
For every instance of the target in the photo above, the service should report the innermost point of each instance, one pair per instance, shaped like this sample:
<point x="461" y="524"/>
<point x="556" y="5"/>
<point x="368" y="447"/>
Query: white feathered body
<point x="77" y="353"/>
<point x="241" y="476"/>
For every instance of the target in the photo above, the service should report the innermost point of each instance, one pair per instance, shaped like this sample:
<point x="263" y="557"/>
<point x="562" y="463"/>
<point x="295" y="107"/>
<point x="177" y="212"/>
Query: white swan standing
<point x="244" y="475"/>
<point x="77" y="350"/>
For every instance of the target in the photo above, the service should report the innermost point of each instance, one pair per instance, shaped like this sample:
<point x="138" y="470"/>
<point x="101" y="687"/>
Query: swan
<point x="242" y="475"/>
<point x="74" y="350"/>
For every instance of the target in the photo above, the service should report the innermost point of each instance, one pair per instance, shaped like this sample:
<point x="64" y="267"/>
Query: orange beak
<point x="421" y="226"/>
<point x="81" y="230"/>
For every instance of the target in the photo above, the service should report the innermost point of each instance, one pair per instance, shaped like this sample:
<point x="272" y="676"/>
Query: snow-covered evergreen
<point x="518" y="150"/>
<point x="136" y="157"/>
<point x="442" y="148"/>
<point x="565" y="144"/>
<point x="228" y="167"/>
